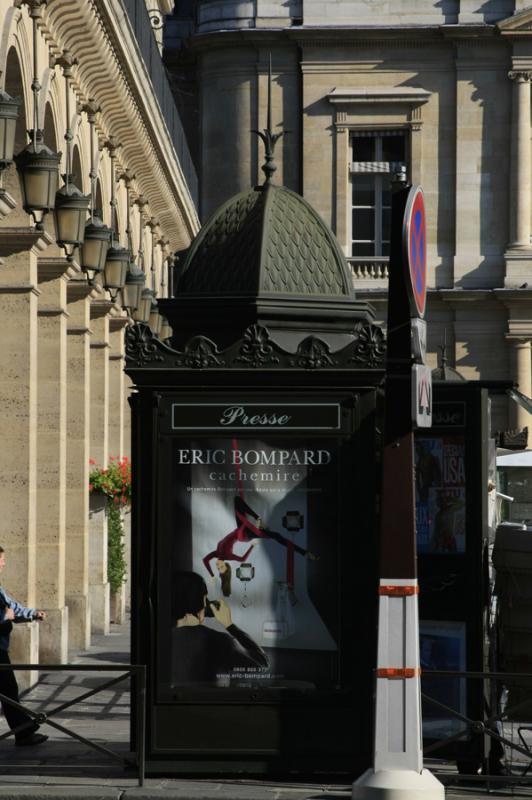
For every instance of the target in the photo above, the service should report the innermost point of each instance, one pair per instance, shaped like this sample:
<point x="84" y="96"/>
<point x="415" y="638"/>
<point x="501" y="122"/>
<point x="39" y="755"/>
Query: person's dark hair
<point x="225" y="578"/>
<point x="189" y="590"/>
<point x="2" y="549"/>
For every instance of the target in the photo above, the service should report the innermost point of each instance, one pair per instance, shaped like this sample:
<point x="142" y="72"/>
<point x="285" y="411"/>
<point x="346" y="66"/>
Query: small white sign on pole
<point x="421" y="396"/>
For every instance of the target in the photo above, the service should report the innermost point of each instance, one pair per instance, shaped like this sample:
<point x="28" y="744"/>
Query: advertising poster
<point x="252" y="564"/>
<point x="440" y="494"/>
<point x="442" y="646"/>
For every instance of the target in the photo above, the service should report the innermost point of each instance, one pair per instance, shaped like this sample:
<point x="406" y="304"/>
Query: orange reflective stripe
<point x="396" y="672"/>
<point x="398" y="591"/>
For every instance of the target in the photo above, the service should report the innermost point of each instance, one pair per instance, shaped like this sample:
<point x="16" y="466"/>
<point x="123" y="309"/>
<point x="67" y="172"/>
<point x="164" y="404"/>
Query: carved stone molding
<point x="520" y="75"/>
<point x="110" y="70"/>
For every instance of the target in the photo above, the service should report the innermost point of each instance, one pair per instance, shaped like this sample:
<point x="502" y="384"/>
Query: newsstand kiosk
<point x="255" y="449"/>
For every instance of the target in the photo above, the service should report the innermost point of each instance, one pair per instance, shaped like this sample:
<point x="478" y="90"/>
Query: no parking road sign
<point x="415" y="249"/>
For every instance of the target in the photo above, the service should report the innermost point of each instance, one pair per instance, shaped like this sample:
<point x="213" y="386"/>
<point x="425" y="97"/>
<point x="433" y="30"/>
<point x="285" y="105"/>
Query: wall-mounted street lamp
<point x="9" y="107"/>
<point x="37" y="165"/>
<point x="135" y="278"/>
<point x="143" y="310"/>
<point x="155" y="319"/>
<point x="166" y="331"/>
<point x="97" y="237"/>
<point x="117" y="260"/>
<point x="71" y="205"/>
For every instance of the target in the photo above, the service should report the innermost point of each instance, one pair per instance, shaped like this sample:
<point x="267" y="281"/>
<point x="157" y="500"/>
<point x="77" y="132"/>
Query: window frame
<point x="377" y="169"/>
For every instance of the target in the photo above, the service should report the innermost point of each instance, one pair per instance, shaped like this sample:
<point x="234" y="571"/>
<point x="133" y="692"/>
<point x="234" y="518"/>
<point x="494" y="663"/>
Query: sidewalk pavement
<point x="64" y="767"/>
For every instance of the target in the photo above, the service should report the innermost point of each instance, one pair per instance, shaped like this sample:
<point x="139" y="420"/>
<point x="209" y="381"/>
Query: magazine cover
<point x="442" y="646"/>
<point x="440" y="494"/>
<point x="253" y="567"/>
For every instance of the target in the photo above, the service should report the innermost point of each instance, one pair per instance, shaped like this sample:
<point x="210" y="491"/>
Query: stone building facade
<point x="63" y="390"/>
<point x="361" y="87"/>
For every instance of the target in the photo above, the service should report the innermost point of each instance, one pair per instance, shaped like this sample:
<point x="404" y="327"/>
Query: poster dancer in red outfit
<point x="246" y="531"/>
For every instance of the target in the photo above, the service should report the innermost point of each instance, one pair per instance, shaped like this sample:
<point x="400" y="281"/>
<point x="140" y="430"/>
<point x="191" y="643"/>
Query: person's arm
<point x="206" y="561"/>
<point x="251" y="649"/>
<point x="246" y="646"/>
<point x="22" y="614"/>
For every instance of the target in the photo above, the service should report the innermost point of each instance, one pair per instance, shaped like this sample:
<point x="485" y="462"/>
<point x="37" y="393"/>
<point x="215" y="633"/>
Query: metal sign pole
<point x="398" y="758"/>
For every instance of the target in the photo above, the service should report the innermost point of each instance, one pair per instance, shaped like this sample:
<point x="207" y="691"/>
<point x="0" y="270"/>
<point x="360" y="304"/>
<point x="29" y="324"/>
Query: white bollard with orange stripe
<point x="398" y="772"/>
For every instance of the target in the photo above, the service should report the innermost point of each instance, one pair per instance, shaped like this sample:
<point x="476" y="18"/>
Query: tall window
<point x="377" y="155"/>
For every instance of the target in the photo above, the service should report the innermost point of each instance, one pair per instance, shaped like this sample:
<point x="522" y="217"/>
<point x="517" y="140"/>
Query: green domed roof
<point x="267" y="240"/>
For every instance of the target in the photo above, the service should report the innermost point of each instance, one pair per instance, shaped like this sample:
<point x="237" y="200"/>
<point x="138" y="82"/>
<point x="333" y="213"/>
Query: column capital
<point x="518" y="339"/>
<point x="17" y="240"/>
<point x="520" y="75"/>
<point x="80" y="289"/>
<point x="118" y="323"/>
<point x="100" y="308"/>
<point x="48" y="269"/>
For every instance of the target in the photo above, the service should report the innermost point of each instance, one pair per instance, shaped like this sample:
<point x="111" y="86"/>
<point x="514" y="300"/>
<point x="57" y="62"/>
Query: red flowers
<point x="115" y="481"/>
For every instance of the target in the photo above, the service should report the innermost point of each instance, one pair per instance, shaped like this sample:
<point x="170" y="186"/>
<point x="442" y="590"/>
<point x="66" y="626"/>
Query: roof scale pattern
<point x="267" y="240"/>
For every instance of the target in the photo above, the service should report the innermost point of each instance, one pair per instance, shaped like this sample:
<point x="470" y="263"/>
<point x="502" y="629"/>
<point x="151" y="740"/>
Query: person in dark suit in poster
<point x="201" y="654"/>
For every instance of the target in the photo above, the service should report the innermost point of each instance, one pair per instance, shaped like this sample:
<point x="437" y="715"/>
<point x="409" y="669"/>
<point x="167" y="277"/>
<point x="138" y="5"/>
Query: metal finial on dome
<point x="269" y="138"/>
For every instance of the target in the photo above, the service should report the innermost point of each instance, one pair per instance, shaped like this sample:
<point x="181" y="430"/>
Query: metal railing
<point x="485" y="726"/>
<point x="138" y="671"/>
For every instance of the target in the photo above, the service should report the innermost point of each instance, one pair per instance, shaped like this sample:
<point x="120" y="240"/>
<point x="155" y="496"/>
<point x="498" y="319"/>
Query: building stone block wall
<point x="62" y="404"/>
<point x="452" y="77"/>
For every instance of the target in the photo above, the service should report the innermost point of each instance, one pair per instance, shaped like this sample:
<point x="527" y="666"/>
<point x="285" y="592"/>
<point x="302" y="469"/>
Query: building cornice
<point x="111" y="69"/>
<point x="519" y="24"/>
<point x="410" y="36"/>
<point x="394" y="94"/>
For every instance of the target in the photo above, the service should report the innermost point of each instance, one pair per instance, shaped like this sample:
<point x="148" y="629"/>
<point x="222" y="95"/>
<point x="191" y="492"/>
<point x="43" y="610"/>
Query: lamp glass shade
<point x="155" y="319"/>
<point x="142" y="313"/>
<point x="132" y="291"/>
<point x="166" y="330"/>
<point x="71" y="208"/>
<point x="38" y="169"/>
<point x="116" y="264"/>
<point x="93" y="249"/>
<point x="8" y="123"/>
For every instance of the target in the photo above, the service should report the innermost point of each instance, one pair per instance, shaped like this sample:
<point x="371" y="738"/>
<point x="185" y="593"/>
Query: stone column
<point x="519" y="417"/>
<point x="343" y="185"/>
<point x="116" y="429"/>
<point x="520" y="167"/>
<point x="77" y="464"/>
<point x="99" y="439"/>
<point x="19" y="247"/>
<point x="116" y="386"/>
<point x="53" y="273"/>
